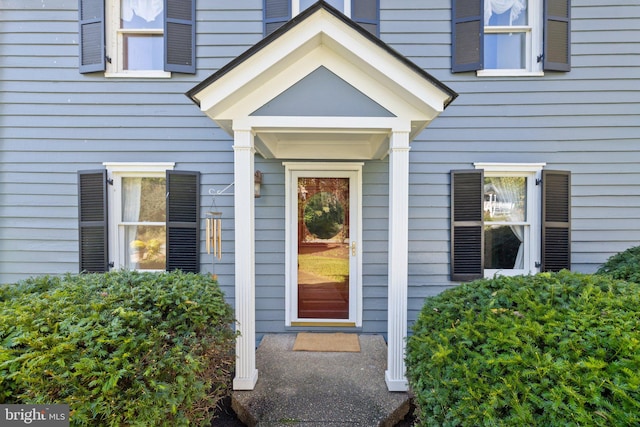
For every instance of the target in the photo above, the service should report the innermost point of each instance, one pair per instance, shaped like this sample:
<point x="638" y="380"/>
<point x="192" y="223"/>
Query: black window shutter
<point x="92" y="221"/>
<point x="91" y="35"/>
<point x="467" y="224"/>
<point x="367" y="14"/>
<point x="467" y="32"/>
<point x="183" y="219"/>
<point x="556" y="220"/>
<point x="276" y="13"/>
<point x="557" y="35"/>
<point x="180" y="36"/>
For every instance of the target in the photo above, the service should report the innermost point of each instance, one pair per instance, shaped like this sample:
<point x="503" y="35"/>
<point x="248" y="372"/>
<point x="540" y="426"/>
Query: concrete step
<point x="300" y="388"/>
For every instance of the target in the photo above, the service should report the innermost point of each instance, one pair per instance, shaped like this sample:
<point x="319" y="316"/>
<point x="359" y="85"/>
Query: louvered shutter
<point x="92" y="221"/>
<point x="91" y="35"/>
<point x="276" y="13"/>
<point x="467" y="31"/>
<point x="183" y="219"/>
<point x="180" y="36"/>
<point x="467" y="223"/>
<point x="557" y="35"/>
<point x="556" y="220"/>
<point x="366" y="14"/>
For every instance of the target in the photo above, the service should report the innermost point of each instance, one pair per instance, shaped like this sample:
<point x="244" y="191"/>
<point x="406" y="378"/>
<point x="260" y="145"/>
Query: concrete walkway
<point x="329" y="389"/>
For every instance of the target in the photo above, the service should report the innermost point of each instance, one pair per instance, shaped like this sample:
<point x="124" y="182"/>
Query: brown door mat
<point x="313" y="341"/>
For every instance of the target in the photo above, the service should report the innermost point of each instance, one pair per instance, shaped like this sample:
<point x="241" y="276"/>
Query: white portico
<point x="321" y="88"/>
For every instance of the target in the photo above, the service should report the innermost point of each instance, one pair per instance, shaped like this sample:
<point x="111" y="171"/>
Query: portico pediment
<point x="322" y="87"/>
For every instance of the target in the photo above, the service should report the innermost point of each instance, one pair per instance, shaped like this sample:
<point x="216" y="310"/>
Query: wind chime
<point x="214" y="235"/>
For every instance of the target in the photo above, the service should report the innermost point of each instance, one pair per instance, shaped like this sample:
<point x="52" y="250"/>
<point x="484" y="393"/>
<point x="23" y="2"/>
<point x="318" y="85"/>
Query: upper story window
<point x="364" y="12"/>
<point x="511" y="31"/>
<point x="510" y="37"/>
<point x="137" y="38"/>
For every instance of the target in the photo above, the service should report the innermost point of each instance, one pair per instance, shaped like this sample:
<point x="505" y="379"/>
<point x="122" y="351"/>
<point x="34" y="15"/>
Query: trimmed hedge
<point x="624" y="266"/>
<point x="544" y="350"/>
<point x="122" y="348"/>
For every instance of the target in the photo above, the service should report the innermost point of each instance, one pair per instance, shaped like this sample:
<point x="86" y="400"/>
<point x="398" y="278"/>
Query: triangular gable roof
<point x="321" y="36"/>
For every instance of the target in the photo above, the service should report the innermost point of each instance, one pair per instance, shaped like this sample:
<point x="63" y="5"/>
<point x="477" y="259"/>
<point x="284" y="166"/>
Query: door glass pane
<point x="323" y="248"/>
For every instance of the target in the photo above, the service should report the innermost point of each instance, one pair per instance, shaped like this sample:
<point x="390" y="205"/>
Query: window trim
<point x="532" y="171"/>
<point x="116" y="171"/>
<point x="114" y="36"/>
<point x="534" y="43"/>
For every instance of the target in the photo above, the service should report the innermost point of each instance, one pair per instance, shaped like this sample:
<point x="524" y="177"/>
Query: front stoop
<point x="320" y="388"/>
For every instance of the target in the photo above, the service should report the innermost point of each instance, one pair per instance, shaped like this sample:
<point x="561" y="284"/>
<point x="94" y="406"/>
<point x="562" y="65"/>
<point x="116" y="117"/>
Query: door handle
<point x="353" y="248"/>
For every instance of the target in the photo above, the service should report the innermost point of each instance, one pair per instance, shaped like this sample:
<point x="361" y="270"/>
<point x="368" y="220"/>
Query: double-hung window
<point x="138" y="210"/>
<point x="510" y="37"/>
<point x="138" y="216"/>
<point x="364" y="12"/>
<point x="137" y="38"/>
<point x="509" y="219"/>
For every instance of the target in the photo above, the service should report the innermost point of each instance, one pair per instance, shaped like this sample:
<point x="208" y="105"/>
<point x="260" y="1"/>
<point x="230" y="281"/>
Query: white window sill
<point x="509" y="73"/>
<point x="139" y="74"/>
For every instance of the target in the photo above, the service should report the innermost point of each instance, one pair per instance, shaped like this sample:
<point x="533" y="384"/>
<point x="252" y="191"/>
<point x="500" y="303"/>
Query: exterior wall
<point x="586" y="121"/>
<point x="56" y="121"/>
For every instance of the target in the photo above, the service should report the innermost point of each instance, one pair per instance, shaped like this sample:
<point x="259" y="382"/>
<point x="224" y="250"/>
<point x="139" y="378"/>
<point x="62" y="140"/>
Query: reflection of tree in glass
<point x="324" y="215"/>
<point x="152" y="200"/>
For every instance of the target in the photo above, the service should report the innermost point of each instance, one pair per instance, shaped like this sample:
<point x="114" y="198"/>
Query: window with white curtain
<point x="511" y="218"/>
<point x="137" y="217"/>
<point x="512" y="35"/>
<point x="135" y="34"/>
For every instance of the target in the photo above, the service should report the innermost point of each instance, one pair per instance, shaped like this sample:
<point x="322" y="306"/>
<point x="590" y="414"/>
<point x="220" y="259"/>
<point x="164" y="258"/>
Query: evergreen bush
<point x="122" y="348"/>
<point x="557" y="349"/>
<point x="624" y="266"/>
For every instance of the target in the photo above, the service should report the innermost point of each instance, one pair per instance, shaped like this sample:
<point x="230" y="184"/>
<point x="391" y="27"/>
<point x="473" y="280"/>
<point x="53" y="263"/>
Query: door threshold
<point x="325" y="324"/>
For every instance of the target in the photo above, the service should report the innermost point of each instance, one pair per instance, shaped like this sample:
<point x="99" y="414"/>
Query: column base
<point x="395" y="384"/>
<point x="248" y="383"/>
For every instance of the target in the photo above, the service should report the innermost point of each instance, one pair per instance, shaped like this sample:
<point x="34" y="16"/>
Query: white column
<point x="398" y="259"/>
<point x="246" y="372"/>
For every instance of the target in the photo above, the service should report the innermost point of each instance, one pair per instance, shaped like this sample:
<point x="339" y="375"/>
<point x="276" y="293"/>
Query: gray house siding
<point x="55" y="122"/>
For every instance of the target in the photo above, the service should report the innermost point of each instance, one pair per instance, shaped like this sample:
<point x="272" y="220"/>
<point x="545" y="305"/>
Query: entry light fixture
<point x="257" y="181"/>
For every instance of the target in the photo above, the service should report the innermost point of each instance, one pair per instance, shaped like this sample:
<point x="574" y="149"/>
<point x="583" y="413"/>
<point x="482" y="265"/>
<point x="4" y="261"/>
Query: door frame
<point x="294" y="170"/>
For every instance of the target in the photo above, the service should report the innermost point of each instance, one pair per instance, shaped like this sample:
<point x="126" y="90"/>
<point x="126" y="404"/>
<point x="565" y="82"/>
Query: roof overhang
<point x="321" y="36"/>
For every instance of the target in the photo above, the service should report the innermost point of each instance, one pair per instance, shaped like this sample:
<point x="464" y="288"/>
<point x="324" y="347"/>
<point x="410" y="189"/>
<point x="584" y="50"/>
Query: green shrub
<point x="547" y="350"/>
<point x="624" y="266"/>
<point x="122" y="348"/>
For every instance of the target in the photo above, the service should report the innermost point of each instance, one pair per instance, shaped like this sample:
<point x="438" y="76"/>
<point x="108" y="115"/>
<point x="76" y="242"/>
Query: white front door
<point x="323" y="244"/>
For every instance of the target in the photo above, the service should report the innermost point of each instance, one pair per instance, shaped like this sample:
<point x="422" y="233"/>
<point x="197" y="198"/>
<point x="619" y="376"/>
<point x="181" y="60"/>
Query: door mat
<point x="309" y="341"/>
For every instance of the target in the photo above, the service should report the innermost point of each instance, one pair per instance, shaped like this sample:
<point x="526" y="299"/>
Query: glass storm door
<point x="325" y="248"/>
